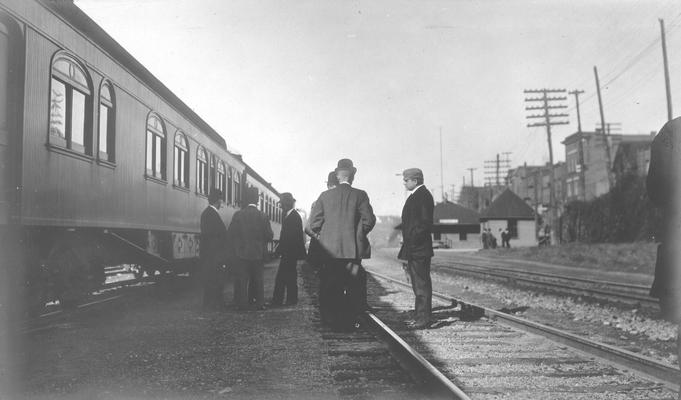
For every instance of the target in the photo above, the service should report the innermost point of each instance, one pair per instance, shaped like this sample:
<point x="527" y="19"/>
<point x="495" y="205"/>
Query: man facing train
<point x="211" y="252"/>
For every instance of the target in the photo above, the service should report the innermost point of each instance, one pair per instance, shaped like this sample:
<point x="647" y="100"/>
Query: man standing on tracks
<point x="211" y="252"/>
<point x="417" y="244"/>
<point x="291" y="248"/>
<point x="248" y="235"/>
<point x="340" y="220"/>
<point x="664" y="188"/>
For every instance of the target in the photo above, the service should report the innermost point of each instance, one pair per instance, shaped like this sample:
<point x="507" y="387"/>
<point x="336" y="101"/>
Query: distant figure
<point x="315" y="253"/>
<point x="291" y="248"/>
<point x="417" y="244"/>
<point x="492" y="240"/>
<point x="341" y="219"/>
<point x="664" y="188"/>
<point x="211" y="252"/>
<point x="249" y="232"/>
<point x="485" y="239"/>
<point x="506" y="239"/>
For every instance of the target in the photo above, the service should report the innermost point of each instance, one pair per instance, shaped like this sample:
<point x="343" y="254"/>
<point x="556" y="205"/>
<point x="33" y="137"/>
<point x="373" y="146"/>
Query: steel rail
<point x="580" y="290"/>
<point x="662" y="372"/>
<point x="421" y="369"/>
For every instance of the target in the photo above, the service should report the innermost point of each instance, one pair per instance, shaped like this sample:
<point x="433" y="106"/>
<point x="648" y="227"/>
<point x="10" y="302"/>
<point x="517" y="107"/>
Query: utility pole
<point x="666" y="73"/>
<point x="579" y="119"/>
<point x="442" y="178"/>
<point x="472" y="169"/>
<point x="605" y="135"/>
<point x="548" y="104"/>
<point x="495" y="169"/>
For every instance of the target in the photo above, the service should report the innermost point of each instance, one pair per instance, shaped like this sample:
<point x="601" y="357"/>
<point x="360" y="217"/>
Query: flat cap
<point x="412" y="173"/>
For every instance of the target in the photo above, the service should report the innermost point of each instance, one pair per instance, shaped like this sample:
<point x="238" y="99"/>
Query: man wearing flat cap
<point x="341" y="219"/>
<point x="417" y="243"/>
<point x="291" y="248"/>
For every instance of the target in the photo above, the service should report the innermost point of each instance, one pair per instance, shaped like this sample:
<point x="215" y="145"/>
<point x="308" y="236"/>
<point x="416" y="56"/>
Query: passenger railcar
<point x="100" y="163"/>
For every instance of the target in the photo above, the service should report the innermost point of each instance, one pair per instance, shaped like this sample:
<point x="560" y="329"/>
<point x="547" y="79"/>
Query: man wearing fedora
<point x="291" y="248"/>
<point x="340" y="220"/>
<point x="417" y="243"/>
<point x="211" y="253"/>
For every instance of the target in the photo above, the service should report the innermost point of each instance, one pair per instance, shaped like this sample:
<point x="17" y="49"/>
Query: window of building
<point x="107" y="123"/>
<point x="220" y="178"/>
<point x="212" y="182"/>
<point x="463" y="236"/>
<point x="201" y="171"/>
<point x="512" y="226"/>
<point x="156" y="144"/>
<point x="230" y="186"/>
<point x="181" y="161"/>
<point x="70" y="105"/>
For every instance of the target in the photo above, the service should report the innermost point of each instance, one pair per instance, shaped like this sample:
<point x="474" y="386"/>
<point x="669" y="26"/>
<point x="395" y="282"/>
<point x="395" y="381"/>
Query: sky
<point x="294" y="86"/>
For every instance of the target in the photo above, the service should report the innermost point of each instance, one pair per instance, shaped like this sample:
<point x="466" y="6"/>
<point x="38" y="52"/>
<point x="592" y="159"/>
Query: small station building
<point x="508" y="211"/>
<point x="455" y="226"/>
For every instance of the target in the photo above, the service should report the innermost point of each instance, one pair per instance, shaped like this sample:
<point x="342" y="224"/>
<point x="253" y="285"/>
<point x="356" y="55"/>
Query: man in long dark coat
<point x="417" y="243"/>
<point x="291" y="248"/>
<point x="248" y="233"/>
<point x="211" y="252"/>
<point x="341" y="219"/>
<point x="664" y="189"/>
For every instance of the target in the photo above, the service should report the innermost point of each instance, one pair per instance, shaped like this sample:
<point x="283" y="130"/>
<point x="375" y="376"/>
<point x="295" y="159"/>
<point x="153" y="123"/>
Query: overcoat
<point x="417" y="225"/>
<point x="291" y="239"/>
<point x="248" y="234"/>
<point x="342" y="216"/>
<point x="213" y="238"/>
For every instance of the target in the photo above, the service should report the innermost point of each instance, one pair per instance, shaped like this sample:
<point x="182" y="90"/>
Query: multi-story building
<point x="532" y="183"/>
<point x="588" y="168"/>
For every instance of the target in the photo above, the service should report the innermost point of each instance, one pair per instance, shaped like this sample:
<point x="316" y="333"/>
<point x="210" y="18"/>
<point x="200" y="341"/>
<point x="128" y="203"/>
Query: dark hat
<point x="412" y="173"/>
<point x="345" y="164"/>
<point x="214" y="195"/>
<point x="286" y="196"/>
<point x="332" y="179"/>
<point x="251" y="195"/>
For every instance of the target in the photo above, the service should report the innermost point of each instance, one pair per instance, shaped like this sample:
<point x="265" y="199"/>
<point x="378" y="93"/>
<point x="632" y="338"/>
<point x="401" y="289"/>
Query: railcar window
<point x="237" y="189"/>
<point x="107" y="120"/>
<point x="156" y="140"/>
<point x="201" y="171"/>
<point x="220" y="179"/>
<point x="229" y="185"/>
<point x="70" y="106"/>
<point x="181" y="160"/>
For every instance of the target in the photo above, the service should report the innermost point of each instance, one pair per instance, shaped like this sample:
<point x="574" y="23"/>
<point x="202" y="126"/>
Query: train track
<point x="619" y="292"/>
<point x="488" y="345"/>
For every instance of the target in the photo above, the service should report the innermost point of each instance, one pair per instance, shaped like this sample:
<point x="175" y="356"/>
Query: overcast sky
<point x="296" y="85"/>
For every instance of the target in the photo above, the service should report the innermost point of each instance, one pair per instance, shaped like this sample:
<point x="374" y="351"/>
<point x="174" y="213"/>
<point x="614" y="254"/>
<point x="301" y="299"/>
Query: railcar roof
<point x="89" y="28"/>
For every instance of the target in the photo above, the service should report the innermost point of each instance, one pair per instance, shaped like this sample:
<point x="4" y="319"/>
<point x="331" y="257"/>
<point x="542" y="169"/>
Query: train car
<point x="100" y="163"/>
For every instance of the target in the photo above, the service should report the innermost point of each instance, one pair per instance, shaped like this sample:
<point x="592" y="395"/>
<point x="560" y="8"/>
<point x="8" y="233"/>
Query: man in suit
<point x="248" y="233"/>
<point x="417" y="243"/>
<point x="211" y="252"/>
<point x="340" y="219"/>
<point x="664" y="190"/>
<point x="291" y="248"/>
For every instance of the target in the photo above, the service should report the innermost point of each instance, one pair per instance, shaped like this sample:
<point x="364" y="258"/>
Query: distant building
<point x="456" y="226"/>
<point x="478" y="198"/>
<point x="587" y="162"/>
<point x="532" y="183"/>
<point x="508" y="211"/>
<point x="632" y="158"/>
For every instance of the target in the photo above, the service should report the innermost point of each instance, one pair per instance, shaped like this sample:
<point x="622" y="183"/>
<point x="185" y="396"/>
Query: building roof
<point x="508" y="205"/>
<point x="448" y="213"/>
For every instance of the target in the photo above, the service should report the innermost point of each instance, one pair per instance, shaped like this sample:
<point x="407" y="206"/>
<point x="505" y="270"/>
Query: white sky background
<point x="296" y="85"/>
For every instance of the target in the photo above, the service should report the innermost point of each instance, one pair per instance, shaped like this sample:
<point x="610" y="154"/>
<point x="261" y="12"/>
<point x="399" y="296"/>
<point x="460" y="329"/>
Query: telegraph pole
<point x="579" y="119"/>
<point x="442" y="178"/>
<point x="546" y="105"/>
<point x="666" y="72"/>
<point x="495" y="168"/>
<point x="472" y="169"/>
<point x="605" y="134"/>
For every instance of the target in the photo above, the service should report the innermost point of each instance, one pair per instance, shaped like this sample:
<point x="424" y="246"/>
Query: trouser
<point x="419" y="272"/>
<point x="286" y="281"/>
<point x="249" y="276"/>
<point x="212" y="286"/>
<point x="342" y="295"/>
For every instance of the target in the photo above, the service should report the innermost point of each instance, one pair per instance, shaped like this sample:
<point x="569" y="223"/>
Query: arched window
<point x="181" y="161"/>
<point x="107" y="123"/>
<point x="201" y="171"/>
<point x="230" y="186"/>
<point x="220" y="178"/>
<point x="237" y="188"/>
<point x="70" y="105"/>
<point x="156" y="144"/>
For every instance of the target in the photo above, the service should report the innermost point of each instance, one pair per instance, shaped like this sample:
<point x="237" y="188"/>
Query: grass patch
<point x="636" y="257"/>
